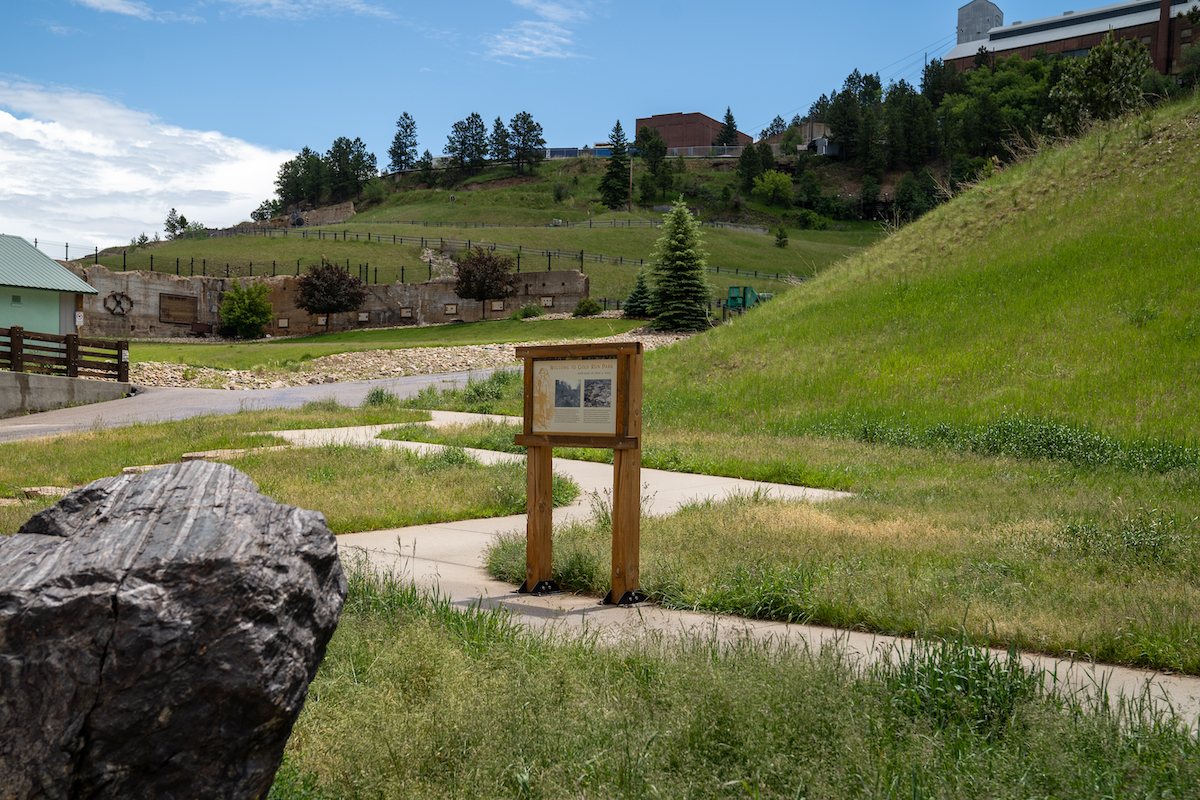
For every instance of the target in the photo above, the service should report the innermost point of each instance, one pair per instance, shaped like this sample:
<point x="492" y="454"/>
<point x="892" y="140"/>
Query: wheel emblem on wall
<point x="118" y="303"/>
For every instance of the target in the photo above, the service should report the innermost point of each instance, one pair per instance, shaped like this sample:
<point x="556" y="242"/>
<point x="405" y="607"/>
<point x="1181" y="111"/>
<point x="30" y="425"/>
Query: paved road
<point x="156" y="404"/>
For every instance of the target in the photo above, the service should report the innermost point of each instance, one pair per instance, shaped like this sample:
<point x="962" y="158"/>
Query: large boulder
<point x="158" y="634"/>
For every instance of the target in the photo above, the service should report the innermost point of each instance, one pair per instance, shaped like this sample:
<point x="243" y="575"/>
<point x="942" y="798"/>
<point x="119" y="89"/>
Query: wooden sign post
<point x="584" y="395"/>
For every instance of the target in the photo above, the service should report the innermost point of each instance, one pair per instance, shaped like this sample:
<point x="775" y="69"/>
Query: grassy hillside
<point x="1009" y="388"/>
<point x="1065" y="288"/>
<point x="496" y="197"/>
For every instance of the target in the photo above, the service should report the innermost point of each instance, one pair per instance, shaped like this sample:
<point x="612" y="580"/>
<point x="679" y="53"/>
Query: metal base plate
<point x="539" y="589"/>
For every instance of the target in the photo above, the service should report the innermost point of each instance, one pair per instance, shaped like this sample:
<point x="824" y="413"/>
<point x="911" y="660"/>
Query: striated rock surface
<point x="158" y="633"/>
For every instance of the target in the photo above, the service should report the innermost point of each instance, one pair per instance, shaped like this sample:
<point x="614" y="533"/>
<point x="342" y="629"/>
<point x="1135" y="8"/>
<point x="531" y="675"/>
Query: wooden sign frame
<point x="583" y="395"/>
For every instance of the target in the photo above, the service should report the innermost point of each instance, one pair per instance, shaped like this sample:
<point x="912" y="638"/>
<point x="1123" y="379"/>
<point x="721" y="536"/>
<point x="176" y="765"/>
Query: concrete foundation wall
<point x="25" y="392"/>
<point x="165" y="305"/>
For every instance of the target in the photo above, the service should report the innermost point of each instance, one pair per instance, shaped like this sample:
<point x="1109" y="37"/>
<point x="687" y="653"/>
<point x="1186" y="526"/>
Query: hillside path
<point x="448" y="558"/>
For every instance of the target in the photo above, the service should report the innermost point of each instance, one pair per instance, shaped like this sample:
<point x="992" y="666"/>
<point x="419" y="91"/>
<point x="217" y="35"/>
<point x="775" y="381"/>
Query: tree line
<point x="971" y="120"/>
<point x="346" y="168"/>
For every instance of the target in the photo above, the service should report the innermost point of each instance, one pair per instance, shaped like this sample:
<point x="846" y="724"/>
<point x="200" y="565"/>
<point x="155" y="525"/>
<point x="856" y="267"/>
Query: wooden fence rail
<point x="70" y="355"/>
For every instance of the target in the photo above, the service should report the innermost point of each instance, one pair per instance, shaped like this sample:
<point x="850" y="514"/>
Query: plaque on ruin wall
<point x="177" y="308"/>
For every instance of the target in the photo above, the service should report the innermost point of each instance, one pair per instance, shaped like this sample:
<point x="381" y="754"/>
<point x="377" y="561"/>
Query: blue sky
<point x="114" y="111"/>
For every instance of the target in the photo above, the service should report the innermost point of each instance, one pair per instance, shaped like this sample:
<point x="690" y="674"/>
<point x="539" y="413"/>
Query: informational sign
<point x="575" y="396"/>
<point x="177" y="308"/>
<point x="583" y="395"/>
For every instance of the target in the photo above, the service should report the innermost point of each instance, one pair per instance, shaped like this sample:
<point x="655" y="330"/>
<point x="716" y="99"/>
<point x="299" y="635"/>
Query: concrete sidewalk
<point x="447" y="558"/>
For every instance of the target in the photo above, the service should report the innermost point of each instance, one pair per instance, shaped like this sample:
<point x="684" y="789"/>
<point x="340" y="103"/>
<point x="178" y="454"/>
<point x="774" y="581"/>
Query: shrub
<point x="587" y="307"/>
<point x="246" y="308"/>
<point x="808" y="220"/>
<point x="329" y="289"/>
<point x="561" y="192"/>
<point x="379" y="396"/>
<point x="526" y="312"/>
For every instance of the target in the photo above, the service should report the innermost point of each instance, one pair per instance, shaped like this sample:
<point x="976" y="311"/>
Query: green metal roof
<point x="23" y="265"/>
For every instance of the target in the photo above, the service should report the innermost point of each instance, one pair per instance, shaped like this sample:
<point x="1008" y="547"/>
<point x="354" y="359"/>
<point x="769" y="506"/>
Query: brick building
<point x="1154" y="23"/>
<point x="687" y="130"/>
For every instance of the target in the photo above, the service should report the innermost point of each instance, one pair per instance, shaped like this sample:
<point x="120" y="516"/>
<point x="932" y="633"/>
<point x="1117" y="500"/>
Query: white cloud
<point x="304" y="9"/>
<point x="127" y="7"/>
<point x="554" y="12"/>
<point x="531" y="40"/>
<point x="80" y="168"/>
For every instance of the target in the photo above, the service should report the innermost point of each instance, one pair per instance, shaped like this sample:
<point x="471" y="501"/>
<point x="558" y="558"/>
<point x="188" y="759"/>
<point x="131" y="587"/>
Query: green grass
<point x="297" y="351"/>
<point x="491" y="199"/>
<point x="1009" y="396"/>
<point x="373" y="488"/>
<point x="355" y="488"/>
<point x="418" y="698"/>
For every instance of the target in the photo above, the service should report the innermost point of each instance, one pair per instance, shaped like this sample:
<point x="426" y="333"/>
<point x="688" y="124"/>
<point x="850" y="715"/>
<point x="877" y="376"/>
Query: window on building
<point x="16" y="299"/>
<point x="1186" y="33"/>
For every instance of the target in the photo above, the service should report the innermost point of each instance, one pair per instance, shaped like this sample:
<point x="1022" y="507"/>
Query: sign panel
<point x="575" y="396"/>
<point x="177" y="308"/>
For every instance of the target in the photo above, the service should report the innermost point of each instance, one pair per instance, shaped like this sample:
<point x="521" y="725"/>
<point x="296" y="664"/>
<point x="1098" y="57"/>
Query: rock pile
<point x="364" y="365"/>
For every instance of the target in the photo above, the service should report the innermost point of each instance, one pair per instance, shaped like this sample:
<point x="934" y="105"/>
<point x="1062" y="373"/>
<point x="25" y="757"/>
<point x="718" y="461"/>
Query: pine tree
<point x="781" y="238"/>
<point x="500" y="144"/>
<point x="171" y="226"/>
<point x="749" y="166"/>
<point x="680" y="296"/>
<point x="728" y="137"/>
<point x="614" y="186"/>
<point x="403" y="152"/>
<point x="528" y="144"/>
<point x="638" y="302"/>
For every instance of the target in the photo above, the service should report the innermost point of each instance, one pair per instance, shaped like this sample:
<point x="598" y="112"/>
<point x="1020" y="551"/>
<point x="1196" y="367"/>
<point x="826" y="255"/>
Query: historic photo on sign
<point x="574" y="396"/>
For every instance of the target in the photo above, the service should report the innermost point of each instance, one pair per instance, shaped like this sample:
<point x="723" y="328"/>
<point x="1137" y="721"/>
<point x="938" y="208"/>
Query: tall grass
<point x="417" y="698"/>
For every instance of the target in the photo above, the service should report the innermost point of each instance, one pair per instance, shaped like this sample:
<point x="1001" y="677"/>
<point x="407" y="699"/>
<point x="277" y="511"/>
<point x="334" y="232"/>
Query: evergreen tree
<point x="728" y="137"/>
<point x="500" y="144"/>
<point x="614" y="186"/>
<point x="659" y="175"/>
<point x="302" y="179"/>
<point x="638" y="302"/>
<point x="403" y="152"/>
<point x="781" y="238"/>
<point x="348" y="166"/>
<point x="680" y="296"/>
<point x="529" y="147"/>
<point x="467" y="144"/>
<point x="425" y="165"/>
<point x="777" y="126"/>
<point x="171" y="226"/>
<point x="749" y="166"/>
<point x="766" y="157"/>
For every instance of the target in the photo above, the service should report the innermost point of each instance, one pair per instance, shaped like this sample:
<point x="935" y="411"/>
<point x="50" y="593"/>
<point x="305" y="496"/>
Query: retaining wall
<point x="165" y="305"/>
<point x="27" y="392"/>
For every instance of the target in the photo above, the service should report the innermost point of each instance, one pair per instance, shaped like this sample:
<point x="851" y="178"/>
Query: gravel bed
<point x="368" y="364"/>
